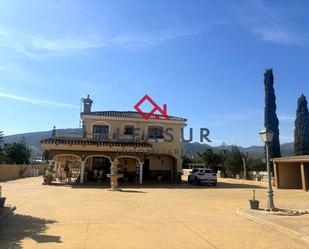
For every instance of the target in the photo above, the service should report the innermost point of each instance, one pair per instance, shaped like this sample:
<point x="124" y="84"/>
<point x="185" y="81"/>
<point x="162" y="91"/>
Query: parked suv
<point x="201" y="175"/>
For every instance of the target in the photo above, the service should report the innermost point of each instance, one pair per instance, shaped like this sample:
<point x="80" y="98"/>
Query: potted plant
<point x="254" y="204"/>
<point x="2" y="200"/>
<point x="49" y="176"/>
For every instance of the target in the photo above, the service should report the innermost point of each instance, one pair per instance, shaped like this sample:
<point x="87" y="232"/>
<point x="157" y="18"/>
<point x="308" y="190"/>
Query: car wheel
<point x="197" y="181"/>
<point x="189" y="181"/>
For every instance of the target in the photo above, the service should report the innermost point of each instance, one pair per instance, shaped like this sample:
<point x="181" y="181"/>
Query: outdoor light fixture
<point x="267" y="137"/>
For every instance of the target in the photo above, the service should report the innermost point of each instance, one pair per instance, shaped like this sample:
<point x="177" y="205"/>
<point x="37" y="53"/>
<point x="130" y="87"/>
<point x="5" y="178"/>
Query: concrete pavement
<point x="163" y="216"/>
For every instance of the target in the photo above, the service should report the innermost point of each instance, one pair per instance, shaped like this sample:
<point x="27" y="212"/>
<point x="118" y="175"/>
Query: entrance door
<point x="146" y="169"/>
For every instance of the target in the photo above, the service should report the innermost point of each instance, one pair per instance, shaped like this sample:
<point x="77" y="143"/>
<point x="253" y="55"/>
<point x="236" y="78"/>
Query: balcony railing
<point x="67" y="135"/>
<point x="100" y="137"/>
<point x="115" y="137"/>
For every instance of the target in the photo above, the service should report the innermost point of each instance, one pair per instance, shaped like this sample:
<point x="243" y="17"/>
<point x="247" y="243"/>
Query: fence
<point x="15" y="171"/>
<point x="253" y="175"/>
<point x="258" y="175"/>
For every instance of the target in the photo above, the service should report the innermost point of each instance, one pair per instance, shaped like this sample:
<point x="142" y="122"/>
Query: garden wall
<point x="14" y="171"/>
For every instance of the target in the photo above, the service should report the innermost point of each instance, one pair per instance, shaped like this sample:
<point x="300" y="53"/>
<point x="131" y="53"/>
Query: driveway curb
<point x="290" y="232"/>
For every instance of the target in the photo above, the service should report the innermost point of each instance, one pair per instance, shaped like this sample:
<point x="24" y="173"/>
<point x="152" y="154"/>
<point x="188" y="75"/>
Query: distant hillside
<point x="32" y="139"/>
<point x="258" y="151"/>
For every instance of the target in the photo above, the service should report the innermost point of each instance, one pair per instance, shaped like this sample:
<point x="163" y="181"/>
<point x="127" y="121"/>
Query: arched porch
<point x="131" y="167"/>
<point x="97" y="167"/>
<point x="66" y="167"/>
<point x="136" y="168"/>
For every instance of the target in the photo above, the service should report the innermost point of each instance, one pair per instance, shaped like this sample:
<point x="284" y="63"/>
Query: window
<point x="155" y="132"/>
<point x="128" y="130"/>
<point x="100" y="131"/>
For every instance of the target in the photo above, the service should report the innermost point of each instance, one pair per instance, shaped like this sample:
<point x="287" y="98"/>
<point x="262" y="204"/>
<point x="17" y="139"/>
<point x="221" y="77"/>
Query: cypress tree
<point x="301" y="132"/>
<point x="270" y="117"/>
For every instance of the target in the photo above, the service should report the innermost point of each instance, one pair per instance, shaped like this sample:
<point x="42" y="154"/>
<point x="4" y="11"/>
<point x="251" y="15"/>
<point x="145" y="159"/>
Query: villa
<point x="145" y="149"/>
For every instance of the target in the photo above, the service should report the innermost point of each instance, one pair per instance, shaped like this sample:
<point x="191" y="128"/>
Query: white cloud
<point x="35" y="46"/>
<point x="4" y="68"/>
<point x="150" y="38"/>
<point x="65" y="44"/>
<point x="276" y="35"/>
<point x="36" y="101"/>
<point x="268" y="22"/>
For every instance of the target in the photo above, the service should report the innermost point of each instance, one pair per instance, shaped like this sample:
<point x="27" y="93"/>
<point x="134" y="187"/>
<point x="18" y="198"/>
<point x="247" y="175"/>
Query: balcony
<point x="99" y="137"/>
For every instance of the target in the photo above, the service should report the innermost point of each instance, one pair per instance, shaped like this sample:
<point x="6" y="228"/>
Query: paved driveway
<point x="167" y="216"/>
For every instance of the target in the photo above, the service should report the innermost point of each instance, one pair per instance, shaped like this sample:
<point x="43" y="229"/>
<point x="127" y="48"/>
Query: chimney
<point x="87" y="105"/>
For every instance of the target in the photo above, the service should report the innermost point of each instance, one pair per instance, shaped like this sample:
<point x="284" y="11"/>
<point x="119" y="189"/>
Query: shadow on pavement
<point x="132" y="191"/>
<point x="184" y="185"/>
<point x="18" y="227"/>
<point x="237" y="185"/>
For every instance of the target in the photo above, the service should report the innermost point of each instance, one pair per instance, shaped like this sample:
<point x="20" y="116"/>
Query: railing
<point x="67" y="135"/>
<point x="115" y="137"/>
<point x="100" y="137"/>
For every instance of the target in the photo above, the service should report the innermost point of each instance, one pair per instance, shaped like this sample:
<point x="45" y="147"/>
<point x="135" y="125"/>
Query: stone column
<point x="50" y="162"/>
<point x="276" y="175"/>
<point x="141" y="164"/>
<point x="59" y="167"/>
<point x="304" y="180"/>
<point x="82" y="171"/>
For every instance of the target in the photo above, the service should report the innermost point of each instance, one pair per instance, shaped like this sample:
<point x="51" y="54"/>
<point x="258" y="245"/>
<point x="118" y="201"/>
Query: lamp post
<point x="267" y="137"/>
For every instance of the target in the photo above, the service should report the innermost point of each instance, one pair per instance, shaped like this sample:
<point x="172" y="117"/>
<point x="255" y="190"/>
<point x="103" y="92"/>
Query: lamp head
<point x="267" y="135"/>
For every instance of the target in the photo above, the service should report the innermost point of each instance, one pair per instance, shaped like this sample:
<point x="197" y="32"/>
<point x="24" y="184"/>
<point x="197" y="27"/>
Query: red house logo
<point x="156" y="108"/>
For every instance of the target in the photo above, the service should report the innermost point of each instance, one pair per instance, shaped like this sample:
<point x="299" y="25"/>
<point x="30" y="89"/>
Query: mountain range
<point x="32" y="139"/>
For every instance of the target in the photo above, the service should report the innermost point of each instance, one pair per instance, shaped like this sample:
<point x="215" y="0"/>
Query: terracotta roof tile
<point x="292" y="159"/>
<point x="130" y="114"/>
<point x="83" y="141"/>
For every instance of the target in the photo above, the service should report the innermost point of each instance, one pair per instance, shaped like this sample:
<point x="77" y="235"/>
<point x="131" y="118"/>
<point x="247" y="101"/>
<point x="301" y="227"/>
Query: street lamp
<point x="267" y="137"/>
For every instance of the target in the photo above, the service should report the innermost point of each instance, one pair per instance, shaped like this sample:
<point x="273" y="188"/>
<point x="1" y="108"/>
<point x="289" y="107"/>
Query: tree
<point x="1" y="138"/>
<point x="233" y="161"/>
<point x="17" y="153"/>
<point x="270" y="117"/>
<point x="185" y="160"/>
<point x="1" y="150"/>
<point x="244" y="157"/>
<point x="301" y="132"/>
<point x="256" y="164"/>
<point x="210" y="158"/>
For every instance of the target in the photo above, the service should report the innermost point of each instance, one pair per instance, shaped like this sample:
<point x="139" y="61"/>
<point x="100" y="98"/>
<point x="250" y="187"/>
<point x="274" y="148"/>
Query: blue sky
<point x="204" y="59"/>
